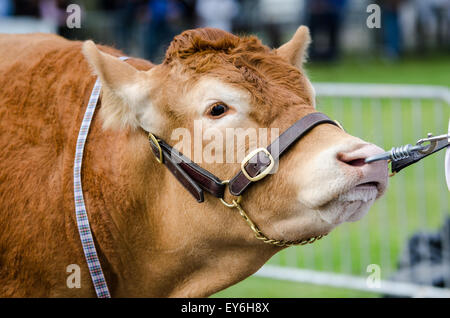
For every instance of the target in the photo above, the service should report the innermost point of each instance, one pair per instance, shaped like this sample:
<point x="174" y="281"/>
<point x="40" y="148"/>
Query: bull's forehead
<point x="261" y="92"/>
<point x="243" y="61"/>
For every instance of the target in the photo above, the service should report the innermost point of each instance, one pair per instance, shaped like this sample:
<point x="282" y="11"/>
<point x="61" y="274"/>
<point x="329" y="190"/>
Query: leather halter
<point x="196" y="179"/>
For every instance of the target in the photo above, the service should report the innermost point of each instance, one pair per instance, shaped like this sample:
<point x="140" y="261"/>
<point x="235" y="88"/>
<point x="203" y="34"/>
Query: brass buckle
<point x="265" y="172"/>
<point x="156" y="142"/>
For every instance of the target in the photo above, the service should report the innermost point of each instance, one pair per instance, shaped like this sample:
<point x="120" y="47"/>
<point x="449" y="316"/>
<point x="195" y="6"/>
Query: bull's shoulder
<point x="46" y="79"/>
<point x="14" y="47"/>
<point x="35" y="47"/>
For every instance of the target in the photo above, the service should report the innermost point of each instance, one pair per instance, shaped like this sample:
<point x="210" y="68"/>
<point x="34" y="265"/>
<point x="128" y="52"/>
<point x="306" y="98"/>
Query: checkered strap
<point x="87" y="241"/>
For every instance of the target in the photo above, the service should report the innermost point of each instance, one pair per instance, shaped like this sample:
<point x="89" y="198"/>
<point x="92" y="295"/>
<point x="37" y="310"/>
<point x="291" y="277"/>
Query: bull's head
<point x="220" y="81"/>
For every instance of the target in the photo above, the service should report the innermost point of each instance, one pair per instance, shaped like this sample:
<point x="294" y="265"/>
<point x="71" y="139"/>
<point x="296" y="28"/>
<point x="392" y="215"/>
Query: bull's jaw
<point x="301" y="222"/>
<point x="224" y="267"/>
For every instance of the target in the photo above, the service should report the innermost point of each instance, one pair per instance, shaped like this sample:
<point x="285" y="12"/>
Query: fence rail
<point x="383" y="91"/>
<point x="405" y="232"/>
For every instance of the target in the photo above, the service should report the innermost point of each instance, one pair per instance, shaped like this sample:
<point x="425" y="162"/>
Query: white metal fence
<point x="404" y="233"/>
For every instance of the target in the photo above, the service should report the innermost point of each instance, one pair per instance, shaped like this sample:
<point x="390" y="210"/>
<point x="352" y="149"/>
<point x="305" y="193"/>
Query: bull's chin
<point x="350" y="206"/>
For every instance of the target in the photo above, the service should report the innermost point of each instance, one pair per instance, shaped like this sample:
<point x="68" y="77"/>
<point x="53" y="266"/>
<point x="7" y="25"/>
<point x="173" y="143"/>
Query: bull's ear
<point x="125" y="89"/>
<point x="295" y="51"/>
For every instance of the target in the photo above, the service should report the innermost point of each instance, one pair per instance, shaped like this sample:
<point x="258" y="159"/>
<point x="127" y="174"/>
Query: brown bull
<point x="152" y="237"/>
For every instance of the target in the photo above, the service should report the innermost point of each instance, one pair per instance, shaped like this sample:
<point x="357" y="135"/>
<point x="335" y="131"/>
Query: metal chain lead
<point x="260" y="236"/>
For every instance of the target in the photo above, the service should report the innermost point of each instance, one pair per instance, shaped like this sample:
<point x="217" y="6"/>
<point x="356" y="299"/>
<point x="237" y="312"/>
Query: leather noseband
<point x="196" y="179"/>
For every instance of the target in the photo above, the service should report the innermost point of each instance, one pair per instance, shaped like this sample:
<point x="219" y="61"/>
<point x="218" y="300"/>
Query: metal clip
<point x="406" y="151"/>
<point x="433" y="140"/>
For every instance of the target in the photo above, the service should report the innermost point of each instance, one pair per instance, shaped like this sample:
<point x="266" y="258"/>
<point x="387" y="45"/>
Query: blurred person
<point x="324" y="18"/>
<point x="433" y="19"/>
<point x="188" y="16"/>
<point x="49" y="10"/>
<point x="26" y="8"/>
<point x="391" y="28"/>
<point x="217" y="13"/>
<point x="243" y="22"/>
<point x="6" y="8"/>
<point x="54" y="11"/>
<point x="127" y="15"/>
<point x="161" y="27"/>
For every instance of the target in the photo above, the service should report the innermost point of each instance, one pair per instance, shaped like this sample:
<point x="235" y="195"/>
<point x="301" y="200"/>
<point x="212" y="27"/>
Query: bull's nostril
<point x="351" y="161"/>
<point x="356" y="162"/>
<point x="355" y="158"/>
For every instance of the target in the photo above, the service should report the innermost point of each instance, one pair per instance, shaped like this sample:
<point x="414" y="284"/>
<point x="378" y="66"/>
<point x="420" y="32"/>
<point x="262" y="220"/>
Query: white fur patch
<point x="211" y="90"/>
<point x="328" y="179"/>
<point x="149" y="118"/>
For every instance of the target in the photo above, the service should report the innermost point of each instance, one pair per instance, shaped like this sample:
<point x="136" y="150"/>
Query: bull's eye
<point x="217" y="110"/>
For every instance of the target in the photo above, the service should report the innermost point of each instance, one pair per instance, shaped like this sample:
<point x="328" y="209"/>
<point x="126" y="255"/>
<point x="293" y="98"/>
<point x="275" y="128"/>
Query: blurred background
<point x="388" y="85"/>
<point x="145" y="27"/>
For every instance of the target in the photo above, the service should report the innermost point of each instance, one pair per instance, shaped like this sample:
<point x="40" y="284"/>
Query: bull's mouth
<point x="367" y="185"/>
<point x="351" y="205"/>
<point x="364" y="192"/>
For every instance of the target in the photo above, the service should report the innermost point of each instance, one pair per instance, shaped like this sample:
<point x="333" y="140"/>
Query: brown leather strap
<point x="196" y="179"/>
<point x="193" y="177"/>
<point x="240" y="182"/>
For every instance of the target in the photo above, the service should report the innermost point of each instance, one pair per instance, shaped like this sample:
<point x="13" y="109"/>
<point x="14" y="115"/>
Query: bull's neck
<point x="156" y="239"/>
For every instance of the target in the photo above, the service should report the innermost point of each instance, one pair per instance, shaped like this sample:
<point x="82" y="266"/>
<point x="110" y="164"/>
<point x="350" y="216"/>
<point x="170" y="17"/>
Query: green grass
<point x="417" y="197"/>
<point x="432" y="70"/>
<point x="258" y="287"/>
